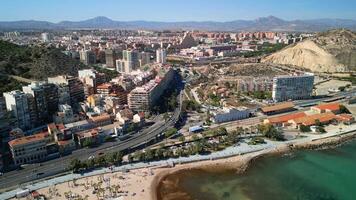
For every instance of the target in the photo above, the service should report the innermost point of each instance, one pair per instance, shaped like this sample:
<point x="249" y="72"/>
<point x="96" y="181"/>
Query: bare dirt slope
<point x="332" y="51"/>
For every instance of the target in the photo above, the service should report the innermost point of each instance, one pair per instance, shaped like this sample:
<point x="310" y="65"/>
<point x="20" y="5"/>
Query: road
<point x="18" y="78"/>
<point x="195" y="95"/>
<point x="60" y="165"/>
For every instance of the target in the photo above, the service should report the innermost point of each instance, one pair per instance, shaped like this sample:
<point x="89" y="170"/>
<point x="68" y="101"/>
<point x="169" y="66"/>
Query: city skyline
<point x="193" y="11"/>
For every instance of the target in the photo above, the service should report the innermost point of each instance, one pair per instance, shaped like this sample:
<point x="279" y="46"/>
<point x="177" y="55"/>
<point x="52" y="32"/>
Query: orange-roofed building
<point x="91" y="135"/>
<point x="66" y="146"/>
<point x="323" y="118"/>
<point x="102" y="120"/>
<point x="283" y="120"/>
<point x="328" y="107"/>
<point x="278" y="108"/>
<point x="345" y="118"/>
<point x="29" y="149"/>
<point x="58" y="132"/>
<point x="104" y="89"/>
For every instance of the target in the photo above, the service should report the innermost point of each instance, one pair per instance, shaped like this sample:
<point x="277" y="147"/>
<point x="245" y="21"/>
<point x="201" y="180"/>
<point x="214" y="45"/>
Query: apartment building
<point x="292" y="87"/>
<point x="75" y="87"/>
<point x="17" y="103"/>
<point x="29" y="149"/>
<point x="146" y="96"/>
<point x="161" y="56"/>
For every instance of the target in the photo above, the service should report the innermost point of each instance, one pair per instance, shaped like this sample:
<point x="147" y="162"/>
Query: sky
<point x="174" y="10"/>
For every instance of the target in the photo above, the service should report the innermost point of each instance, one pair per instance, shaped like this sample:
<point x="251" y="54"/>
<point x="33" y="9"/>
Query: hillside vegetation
<point x="35" y="62"/>
<point x="332" y="51"/>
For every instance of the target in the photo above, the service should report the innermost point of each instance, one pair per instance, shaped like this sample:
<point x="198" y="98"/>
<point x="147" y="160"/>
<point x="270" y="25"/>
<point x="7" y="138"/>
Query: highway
<point x="60" y="165"/>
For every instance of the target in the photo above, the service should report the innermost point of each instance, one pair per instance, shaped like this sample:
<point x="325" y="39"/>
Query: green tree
<point x="75" y="165"/>
<point x="318" y="123"/>
<point x="343" y="109"/>
<point x="342" y="88"/>
<point x="101" y="161"/>
<point x="304" y="128"/>
<point x="159" y="153"/>
<point x="271" y="132"/>
<point x="321" y="129"/>
<point x="170" y="132"/>
<point x="88" y="142"/>
<point x="149" y="154"/>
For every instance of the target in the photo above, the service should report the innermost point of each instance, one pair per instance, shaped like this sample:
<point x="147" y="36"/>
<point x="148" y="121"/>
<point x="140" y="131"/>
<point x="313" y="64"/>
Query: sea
<point x="301" y="175"/>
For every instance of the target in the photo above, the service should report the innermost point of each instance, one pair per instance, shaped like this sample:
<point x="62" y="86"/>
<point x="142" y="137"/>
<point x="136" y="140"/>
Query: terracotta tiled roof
<point x="286" y="118"/>
<point x="28" y="139"/>
<point x="329" y="106"/>
<point x="100" y="118"/>
<point x="278" y="107"/>
<point x="310" y="120"/>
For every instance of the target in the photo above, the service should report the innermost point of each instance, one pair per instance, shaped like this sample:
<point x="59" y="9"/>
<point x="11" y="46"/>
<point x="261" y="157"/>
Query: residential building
<point x="51" y="97"/>
<point x="37" y="104"/>
<point x="91" y="137"/>
<point x="65" y="114"/>
<point x="101" y="120"/>
<point x="17" y="103"/>
<point x="144" y="58"/>
<point x="110" y="58"/>
<point x="231" y="114"/>
<point x="66" y="146"/>
<point x="79" y="126"/>
<point x="63" y="94"/>
<point x="29" y="149"/>
<point x="46" y="37"/>
<point x="75" y="86"/>
<point x="292" y="87"/>
<point x="129" y="62"/>
<point x="161" y="56"/>
<point x="87" y="57"/>
<point x="145" y="97"/>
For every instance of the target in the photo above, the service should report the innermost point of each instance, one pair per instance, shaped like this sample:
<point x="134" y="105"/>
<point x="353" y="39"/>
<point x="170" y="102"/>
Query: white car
<point x="91" y="157"/>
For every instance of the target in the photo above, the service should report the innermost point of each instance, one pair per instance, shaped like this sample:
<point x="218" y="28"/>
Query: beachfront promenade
<point x="241" y="148"/>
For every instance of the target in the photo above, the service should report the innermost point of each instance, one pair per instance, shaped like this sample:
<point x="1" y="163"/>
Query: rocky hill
<point x="332" y="51"/>
<point x="36" y="62"/>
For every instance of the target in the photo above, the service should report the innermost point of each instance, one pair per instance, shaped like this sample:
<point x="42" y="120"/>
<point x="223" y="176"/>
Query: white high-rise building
<point x="161" y="56"/>
<point x="46" y="37"/>
<point x="129" y="61"/>
<point x="292" y="87"/>
<point x="17" y="103"/>
<point x="123" y="66"/>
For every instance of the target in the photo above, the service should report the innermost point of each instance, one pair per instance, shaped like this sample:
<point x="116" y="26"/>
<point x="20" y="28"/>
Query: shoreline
<point x="241" y="163"/>
<point x="143" y="182"/>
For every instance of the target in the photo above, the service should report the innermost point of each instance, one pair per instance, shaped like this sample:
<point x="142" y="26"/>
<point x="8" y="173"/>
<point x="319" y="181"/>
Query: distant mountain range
<point x="269" y="23"/>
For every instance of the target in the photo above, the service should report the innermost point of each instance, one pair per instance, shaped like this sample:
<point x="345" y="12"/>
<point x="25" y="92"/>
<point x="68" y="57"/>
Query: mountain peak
<point x="269" y="19"/>
<point x="100" y="19"/>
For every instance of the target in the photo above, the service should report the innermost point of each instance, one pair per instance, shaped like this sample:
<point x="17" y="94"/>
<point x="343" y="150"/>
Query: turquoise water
<point x="303" y="175"/>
